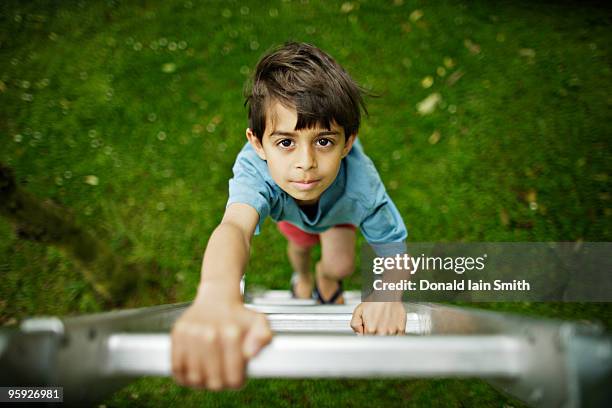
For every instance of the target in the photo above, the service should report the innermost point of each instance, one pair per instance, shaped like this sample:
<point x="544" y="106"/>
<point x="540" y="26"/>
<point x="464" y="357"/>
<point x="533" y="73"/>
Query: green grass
<point x="147" y="97"/>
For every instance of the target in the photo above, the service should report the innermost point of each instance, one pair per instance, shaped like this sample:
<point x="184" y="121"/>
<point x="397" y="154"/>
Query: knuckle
<point x="214" y="385"/>
<point x="230" y="333"/>
<point x="262" y="331"/>
<point x="235" y="380"/>
<point x="208" y="334"/>
<point x="194" y="378"/>
<point x="266" y="335"/>
<point x="184" y="330"/>
<point x="235" y="384"/>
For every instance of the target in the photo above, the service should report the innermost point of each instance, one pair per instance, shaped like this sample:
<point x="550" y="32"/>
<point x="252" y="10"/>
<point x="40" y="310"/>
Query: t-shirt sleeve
<point x="380" y="222"/>
<point x="383" y="224"/>
<point x="384" y="228"/>
<point x="249" y="185"/>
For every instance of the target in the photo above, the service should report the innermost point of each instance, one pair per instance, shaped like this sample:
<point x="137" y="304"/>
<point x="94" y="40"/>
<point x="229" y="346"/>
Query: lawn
<point x="130" y="115"/>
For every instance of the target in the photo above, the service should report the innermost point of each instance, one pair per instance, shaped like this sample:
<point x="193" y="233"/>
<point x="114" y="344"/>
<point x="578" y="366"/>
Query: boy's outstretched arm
<point x="213" y="340"/>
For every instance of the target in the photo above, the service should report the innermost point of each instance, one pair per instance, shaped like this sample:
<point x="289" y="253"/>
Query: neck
<point x="307" y="202"/>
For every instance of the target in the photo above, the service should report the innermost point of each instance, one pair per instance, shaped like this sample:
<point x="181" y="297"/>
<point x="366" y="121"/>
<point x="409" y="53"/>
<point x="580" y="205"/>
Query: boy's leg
<point x="298" y="252"/>
<point x="299" y="257"/>
<point x="337" y="259"/>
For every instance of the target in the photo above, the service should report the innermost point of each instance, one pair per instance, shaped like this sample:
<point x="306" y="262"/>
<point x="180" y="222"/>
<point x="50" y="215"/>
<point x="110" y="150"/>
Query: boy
<point x="303" y="167"/>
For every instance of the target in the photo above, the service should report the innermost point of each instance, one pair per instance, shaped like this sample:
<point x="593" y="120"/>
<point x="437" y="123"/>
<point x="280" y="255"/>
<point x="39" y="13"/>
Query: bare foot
<point x="327" y="286"/>
<point x="302" y="286"/>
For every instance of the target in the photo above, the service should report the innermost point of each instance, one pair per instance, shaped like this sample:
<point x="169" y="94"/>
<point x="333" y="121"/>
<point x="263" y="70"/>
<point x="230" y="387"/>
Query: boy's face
<point x="304" y="162"/>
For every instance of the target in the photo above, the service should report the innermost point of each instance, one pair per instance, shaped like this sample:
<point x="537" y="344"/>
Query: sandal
<point x="317" y="295"/>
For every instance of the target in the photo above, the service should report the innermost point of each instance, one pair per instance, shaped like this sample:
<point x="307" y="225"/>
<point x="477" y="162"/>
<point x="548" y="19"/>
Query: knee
<point x="340" y="267"/>
<point x="293" y="249"/>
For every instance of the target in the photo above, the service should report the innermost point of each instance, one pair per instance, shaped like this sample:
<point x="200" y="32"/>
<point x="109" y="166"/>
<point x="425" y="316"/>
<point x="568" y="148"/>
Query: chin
<point x="304" y="197"/>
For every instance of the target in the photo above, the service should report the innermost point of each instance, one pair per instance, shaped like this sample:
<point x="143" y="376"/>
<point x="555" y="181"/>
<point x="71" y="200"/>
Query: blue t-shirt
<point x="357" y="196"/>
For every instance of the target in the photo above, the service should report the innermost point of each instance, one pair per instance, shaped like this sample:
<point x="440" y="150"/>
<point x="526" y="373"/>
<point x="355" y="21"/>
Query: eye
<point x="324" y="142"/>
<point x="285" y="143"/>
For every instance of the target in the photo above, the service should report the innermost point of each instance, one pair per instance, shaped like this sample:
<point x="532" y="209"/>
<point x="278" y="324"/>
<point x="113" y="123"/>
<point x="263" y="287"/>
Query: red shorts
<point x="303" y="238"/>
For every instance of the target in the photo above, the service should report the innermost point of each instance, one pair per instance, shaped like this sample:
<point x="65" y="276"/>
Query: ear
<point x="348" y="144"/>
<point x="256" y="143"/>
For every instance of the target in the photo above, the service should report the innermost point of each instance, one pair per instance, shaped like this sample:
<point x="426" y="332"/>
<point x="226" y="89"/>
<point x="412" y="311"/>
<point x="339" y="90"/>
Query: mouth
<point x="305" y="185"/>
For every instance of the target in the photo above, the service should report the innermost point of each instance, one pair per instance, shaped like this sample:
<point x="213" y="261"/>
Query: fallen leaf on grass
<point x="472" y="47"/>
<point x="429" y="104"/>
<point x="169" y="67"/>
<point x="427" y="82"/>
<point x="416" y="15"/>
<point x="347" y="7"/>
<point x="92" y="180"/>
<point x="435" y="137"/>
<point x="531" y="196"/>
<point x="454" y="77"/>
<point x="527" y="52"/>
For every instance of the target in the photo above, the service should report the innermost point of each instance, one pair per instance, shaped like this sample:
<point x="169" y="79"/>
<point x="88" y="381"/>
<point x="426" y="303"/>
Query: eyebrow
<point x="322" y="133"/>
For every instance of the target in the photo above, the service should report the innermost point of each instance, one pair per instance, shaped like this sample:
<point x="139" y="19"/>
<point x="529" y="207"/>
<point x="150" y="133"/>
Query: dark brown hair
<point x="302" y="76"/>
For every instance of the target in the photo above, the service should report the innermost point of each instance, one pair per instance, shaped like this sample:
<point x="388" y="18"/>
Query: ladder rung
<point x="332" y="356"/>
<point x="334" y="323"/>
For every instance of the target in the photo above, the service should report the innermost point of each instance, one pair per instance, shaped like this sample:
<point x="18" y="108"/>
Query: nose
<point x="305" y="159"/>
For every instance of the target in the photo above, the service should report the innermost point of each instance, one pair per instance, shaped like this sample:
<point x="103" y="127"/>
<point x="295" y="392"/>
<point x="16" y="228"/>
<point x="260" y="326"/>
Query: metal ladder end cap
<point x="42" y="324"/>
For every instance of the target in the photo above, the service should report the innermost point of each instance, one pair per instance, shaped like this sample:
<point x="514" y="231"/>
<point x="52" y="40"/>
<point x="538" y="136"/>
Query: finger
<point x="381" y="332"/>
<point x="233" y="361"/>
<point x="403" y="322"/>
<point x="387" y="329"/>
<point x="194" y="374"/>
<point x="369" y="329"/>
<point x="258" y="336"/>
<point x="370" y="324"/>
<point x="211" y="357"/>
<point x="357" y="321"/>
<point x="177" y="358"/>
